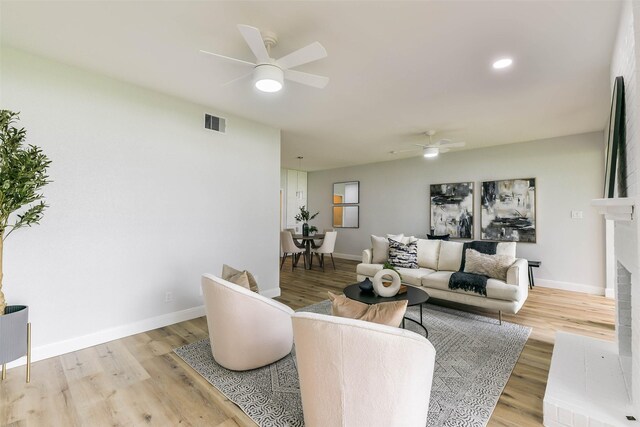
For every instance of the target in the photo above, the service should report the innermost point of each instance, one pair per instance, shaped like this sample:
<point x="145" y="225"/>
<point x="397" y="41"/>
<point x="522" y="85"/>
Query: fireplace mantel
<point x="617" y="209"/>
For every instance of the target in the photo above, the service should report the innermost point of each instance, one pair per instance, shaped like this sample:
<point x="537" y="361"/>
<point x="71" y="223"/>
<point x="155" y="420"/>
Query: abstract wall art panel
<point x="508" y="211"/>
<point x="452" y="209"/>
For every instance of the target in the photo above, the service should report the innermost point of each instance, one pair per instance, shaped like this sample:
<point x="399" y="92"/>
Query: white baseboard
<point x="569" y="286"/>
<point x="609" y="293"/>
<point x="348" y="256"/>
<point x="106" y="335"/>
<point x="271" y="293"/>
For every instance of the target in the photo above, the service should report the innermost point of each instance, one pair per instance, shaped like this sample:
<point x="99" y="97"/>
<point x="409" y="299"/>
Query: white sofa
<point x="439" y="259"/>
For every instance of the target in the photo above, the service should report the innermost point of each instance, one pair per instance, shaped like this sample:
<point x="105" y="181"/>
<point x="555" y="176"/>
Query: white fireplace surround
<point x="590" y="380"/>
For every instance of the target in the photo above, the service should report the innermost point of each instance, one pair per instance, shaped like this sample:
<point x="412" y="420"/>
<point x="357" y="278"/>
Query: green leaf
<point x="23" y="173"/>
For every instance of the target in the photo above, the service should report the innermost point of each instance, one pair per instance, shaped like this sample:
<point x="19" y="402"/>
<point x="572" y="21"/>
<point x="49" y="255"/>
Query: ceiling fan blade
<point x="443" y="141"/>
<point x="306" y="78"/>
<point x="307" y="54"/>
<point x="254" y="39"/>
<point x="237" y="78"/>
<point x="443" y="150"/>
<point x="228" y="58"/>
<point x="421" y="145"/>
<point x="453" y="144"/>
<point x="403" y="151"/>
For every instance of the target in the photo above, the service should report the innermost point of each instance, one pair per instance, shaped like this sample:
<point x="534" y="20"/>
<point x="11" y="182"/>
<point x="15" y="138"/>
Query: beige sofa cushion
<point x="437" y="280"/>
<point x="494" y="266"/>
<point x="384" y="313"/>
<point x="506" y="248"/>
<point x="428" y="252"/>
<point x="380" y="247"/>
<point x="413" y="276"/>
<point x="450" y="255"/>
<point x="496" y="289"/>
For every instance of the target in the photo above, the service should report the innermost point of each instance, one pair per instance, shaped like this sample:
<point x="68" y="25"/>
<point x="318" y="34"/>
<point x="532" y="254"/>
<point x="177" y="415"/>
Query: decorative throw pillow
<point x="240" y="279"/>
<point x="494" y="266"/>
<point x="384" y="313"/>
<point x="380" y="247"/>
<point x="438" y="237"/>
<point x="407" y="239"/>
<point x="228" y="272"/>
<point x="450" y="255"/>
<point x="428" y="252"/>
<point x="403" y="255"/>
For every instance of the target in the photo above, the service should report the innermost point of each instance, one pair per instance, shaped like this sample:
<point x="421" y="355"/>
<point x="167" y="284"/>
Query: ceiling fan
<point x="268" y="73"/>
<point x="432" y="149"/>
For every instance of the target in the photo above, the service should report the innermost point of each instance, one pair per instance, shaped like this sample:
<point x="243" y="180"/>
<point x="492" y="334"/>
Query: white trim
<point x="271" y="293"/>
<point x="609" y="293"/>
<point x="569" y="286"/>
<point x="348" y="256"/>
<point x="618" y="209"/>
<point x="110" y="334"/>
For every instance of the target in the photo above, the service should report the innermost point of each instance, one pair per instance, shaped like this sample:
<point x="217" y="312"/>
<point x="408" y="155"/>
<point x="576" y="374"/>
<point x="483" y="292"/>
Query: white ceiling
<point x="396" y="68"/>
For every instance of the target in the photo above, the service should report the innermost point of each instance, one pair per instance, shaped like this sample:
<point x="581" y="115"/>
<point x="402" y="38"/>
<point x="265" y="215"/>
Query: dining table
<point x="308" y="242"/>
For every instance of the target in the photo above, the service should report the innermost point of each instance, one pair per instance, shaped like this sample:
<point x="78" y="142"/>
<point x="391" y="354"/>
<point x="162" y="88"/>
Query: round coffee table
<point x="413" y="296"/>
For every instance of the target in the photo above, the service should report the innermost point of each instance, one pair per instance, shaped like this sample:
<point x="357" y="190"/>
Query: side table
<point x="532" y="264"/>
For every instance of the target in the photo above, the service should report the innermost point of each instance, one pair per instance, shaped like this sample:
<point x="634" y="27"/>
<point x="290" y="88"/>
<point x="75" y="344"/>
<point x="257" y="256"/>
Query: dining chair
<point x="289" y="248"/>
<point x="297" y="243"/>
<point x="327" y="247"/>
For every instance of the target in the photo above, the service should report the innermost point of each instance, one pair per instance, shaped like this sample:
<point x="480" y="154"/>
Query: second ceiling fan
<point x="269" y="73"/>
<point x="432" y="149"/>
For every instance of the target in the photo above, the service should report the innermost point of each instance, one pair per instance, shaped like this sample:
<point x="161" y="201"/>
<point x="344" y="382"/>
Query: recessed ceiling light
<point x="502" y="63"/>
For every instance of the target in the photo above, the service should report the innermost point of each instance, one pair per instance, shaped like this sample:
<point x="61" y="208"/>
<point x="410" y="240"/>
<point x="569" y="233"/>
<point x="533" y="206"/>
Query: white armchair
<point x="246" y="329"/>
<point x="356" y="373"/>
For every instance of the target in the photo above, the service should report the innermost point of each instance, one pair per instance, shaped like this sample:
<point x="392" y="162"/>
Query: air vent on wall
<point x="217" y="124"/>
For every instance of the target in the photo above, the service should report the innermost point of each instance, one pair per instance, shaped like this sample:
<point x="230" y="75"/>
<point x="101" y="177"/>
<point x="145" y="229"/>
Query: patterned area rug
<point x="474" y="359"/>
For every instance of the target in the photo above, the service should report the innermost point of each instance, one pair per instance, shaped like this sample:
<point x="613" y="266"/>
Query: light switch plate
<point x="576" y="215"/>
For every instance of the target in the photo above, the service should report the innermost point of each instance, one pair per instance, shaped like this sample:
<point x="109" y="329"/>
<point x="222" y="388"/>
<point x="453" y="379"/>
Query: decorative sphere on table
<point x="386" y="291"/>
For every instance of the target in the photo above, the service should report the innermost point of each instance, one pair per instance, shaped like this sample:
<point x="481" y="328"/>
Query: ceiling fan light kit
<point x="268" y="78"/>
<point x="430" y="152"/>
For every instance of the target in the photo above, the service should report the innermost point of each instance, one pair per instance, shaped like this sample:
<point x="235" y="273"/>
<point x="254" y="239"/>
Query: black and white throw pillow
<point x="403" y="255"/>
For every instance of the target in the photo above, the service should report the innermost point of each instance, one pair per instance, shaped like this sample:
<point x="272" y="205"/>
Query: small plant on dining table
<point x="305" y="216"/>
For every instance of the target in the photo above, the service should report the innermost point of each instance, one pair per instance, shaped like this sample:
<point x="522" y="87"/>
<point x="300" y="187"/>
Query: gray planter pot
<point x="15" y="336"/>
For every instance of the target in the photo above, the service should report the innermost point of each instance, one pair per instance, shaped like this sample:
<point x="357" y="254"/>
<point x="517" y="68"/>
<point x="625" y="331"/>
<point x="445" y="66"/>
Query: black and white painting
<point x="452" y="209"/>
<point x="509" y="210"/>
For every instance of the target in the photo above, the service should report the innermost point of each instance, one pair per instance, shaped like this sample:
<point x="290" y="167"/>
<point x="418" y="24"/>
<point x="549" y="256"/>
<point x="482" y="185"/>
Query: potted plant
<point x="388" y="266"/>
<point x="23" y="173"/>
<point x="305" y="217"/>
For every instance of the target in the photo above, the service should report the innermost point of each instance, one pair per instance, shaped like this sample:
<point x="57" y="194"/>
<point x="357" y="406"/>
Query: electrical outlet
<point x="168" y="296"/>
<point x="576" y="215"/>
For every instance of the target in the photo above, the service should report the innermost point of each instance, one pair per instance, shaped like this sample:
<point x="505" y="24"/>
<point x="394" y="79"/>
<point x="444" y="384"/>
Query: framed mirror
<point x="616" y="163"/>
<point x="346" y="216"/>
<point x="346" y="193"/>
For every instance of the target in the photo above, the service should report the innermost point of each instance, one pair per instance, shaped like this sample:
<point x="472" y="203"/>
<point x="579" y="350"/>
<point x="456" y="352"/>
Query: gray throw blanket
<point x="469" y="281"/>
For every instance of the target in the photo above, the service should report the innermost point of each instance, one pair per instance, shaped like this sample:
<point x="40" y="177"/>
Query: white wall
<point x="569" y="174"/>
<point x="143" y="201"/>
<point x="626" y="54"/>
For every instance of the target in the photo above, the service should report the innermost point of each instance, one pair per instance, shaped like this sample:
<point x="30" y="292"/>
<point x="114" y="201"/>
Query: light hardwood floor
<point x="139" y="381"/>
